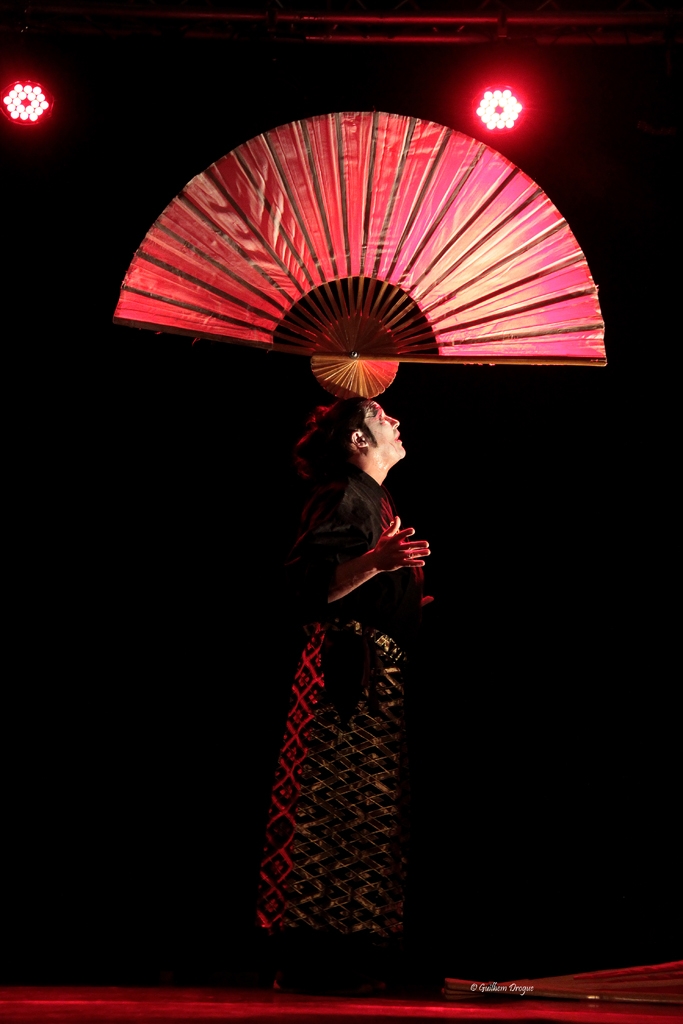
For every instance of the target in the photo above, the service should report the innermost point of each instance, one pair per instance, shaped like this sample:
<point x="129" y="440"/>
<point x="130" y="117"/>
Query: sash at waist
<point x="383" y="641"/>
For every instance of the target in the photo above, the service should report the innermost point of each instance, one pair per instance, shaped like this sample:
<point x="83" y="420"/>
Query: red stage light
<point x="26" y="103"/>
<point x="499" y="108"/>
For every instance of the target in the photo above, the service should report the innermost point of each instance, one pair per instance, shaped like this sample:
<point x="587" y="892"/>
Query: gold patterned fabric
<point x="348" y="849"/>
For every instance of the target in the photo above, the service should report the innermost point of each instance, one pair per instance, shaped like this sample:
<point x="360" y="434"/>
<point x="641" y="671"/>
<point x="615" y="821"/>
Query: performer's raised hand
<point x="395" y="548"/>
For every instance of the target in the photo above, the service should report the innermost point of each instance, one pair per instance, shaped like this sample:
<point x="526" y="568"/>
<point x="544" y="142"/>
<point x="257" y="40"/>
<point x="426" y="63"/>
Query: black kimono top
<point x="342" y="520"/>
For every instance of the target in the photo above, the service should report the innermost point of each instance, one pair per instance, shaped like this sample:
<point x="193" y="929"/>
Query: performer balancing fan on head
<point x="335" y="854"/>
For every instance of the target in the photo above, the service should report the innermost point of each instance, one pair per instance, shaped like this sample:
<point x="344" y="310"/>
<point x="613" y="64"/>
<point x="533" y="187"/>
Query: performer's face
<point x="386" y="434"/>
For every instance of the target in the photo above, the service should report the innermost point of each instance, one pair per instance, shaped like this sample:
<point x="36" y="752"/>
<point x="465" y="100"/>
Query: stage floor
<point x="90" y="1005"/>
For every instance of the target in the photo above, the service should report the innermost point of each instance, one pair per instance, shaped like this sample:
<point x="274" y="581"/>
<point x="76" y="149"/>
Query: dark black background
<point x="151" y="503"/>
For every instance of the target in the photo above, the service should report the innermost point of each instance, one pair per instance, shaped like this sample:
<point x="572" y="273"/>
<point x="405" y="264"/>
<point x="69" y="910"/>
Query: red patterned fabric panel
<point x="276" y="865"/>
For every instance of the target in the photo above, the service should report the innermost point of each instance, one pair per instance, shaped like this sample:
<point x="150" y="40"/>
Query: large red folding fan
<point x="363" y="240"/>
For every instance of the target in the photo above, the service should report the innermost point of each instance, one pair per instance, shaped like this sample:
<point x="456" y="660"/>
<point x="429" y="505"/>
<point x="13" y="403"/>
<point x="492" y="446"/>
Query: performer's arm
<point x="392" y="551"/>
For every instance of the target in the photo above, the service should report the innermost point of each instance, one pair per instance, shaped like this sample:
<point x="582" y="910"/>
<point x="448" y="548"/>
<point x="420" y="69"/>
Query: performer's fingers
<point x="408" y="532"/>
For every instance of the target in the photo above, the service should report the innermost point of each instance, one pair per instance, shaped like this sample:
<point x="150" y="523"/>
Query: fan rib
<point x="420" y="340"/>
<point x="457" y="189"/>
<point x="412" y="330"/>
<point x="368" y="191"/>
<point x="359" y="297"/>
<point x="200" y="215"/>
<point x="318" y="298"/>
<point x="302" y="332"/>
<point x="420" y="343"/>
<point x="301" y="309"/>
<point x="382" y="295"/>
<point x="407" y="321"/>
<point x="391" y="297"/>
<point x="203" y="284"/>
<point x="493" y="267"/>
<point x="334" y="305"/>
<point x="295" y="209"/>
<point x="403" y="316"/>
<point x="342" y="299"/>
<point x="258" y="234"/>
<point x="342" y="190"/>
<point x="468" y="224"/>
<point x="194" y="333"/>
<point x="396" y="313"/>
<point x="307" y="329"/>
<point x="417" y="205"/>
<point x="318" y="195"/>
<point x="408" y="138"/>
<point x="388" y="321"/>
<point x="517" y="311"/>
<point x="330" y="315"/>
<point x="568" y="261"/>
<point x="491" y="233"/>
<point x="365" y="378"/>
<point x="523" y="335"/>
<point x="219" y="266"/>
<point x="268" y="206"/>
<point x="417" y="337"/>
<point x="293" y="350"/>
<point x="343" y="304"/>
<point x="195" y="308"/>
<point x="284" y="335"/>
<point x="369" y="300"/>
<point x="398" y="318"/>
<point x="310" y="307"/>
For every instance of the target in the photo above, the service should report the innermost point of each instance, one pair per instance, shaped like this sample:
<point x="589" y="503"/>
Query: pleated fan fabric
<point x="467" y="239"/>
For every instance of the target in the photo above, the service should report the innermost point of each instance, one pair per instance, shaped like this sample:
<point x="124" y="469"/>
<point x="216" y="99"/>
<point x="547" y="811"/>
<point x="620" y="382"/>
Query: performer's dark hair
<point x="326" y="445"/>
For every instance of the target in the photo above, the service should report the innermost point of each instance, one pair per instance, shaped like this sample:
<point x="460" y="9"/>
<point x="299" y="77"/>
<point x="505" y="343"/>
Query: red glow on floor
<point x="90" y="1005"/>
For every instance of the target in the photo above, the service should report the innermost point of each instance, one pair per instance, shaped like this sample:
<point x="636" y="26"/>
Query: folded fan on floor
<point x="362" y="240"/>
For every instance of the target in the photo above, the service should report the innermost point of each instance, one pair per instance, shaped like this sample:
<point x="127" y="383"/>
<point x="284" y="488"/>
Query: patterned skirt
<point x="336" y="838"/>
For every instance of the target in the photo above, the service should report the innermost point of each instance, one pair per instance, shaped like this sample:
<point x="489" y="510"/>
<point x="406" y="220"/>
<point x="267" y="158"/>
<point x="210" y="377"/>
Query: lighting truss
<point x="316" y="21"/>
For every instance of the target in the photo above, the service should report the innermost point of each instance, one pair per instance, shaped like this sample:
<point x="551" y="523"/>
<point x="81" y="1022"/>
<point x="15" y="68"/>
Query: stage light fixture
<point x="499" y="108"/>
<point x="26" y="103"/>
